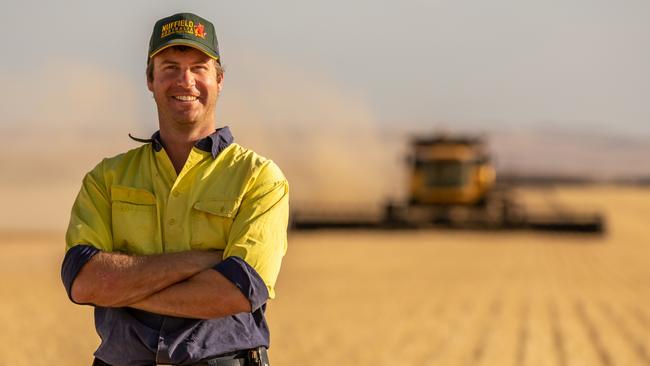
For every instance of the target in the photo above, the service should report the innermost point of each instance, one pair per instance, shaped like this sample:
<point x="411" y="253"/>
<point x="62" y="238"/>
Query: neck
<point x="178" y="143"/>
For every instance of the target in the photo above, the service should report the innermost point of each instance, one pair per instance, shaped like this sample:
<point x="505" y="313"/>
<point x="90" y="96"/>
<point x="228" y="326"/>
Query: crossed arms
<point x="192" y="284"/>
<point x="177" y="284"/>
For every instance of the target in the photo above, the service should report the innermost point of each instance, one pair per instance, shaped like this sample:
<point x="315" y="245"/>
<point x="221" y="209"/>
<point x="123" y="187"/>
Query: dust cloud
<point x="579" y="154"/>
<point x="59" y="122"/>
<point x="321" y="135"/>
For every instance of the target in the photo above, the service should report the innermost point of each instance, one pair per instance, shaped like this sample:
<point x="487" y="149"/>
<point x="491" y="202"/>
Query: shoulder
<point x="258" y="167"/>
<point x="122" y="161"/>
<point x="128" y="157"/>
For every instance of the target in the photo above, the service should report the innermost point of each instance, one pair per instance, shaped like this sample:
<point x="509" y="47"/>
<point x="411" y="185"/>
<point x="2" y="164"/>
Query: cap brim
<point x="185" y="42"/>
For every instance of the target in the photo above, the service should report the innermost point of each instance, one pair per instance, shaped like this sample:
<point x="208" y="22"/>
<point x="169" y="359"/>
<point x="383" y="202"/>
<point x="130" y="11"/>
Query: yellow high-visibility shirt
<point x="236" y="201"/>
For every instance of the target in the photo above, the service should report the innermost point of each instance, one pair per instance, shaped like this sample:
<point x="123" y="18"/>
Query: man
<point x="178" y="243"/>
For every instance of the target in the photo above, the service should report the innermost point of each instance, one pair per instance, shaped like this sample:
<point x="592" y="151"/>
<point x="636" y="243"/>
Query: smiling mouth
<point x="185" y="98"/>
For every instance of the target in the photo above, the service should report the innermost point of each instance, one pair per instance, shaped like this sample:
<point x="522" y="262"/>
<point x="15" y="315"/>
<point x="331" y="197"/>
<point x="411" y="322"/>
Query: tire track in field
<point x="478" y="351"/>
<point x="522" y="334"/>
<point x="629" y="337"/>
<point x="557" y="334"/>
<point x="594" y="336"/>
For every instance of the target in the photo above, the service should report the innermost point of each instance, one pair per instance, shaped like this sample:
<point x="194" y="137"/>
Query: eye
<point x="201" y="68"/>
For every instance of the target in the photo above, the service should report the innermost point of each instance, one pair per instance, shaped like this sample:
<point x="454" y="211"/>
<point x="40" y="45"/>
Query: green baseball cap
<point x="185" y="29"/>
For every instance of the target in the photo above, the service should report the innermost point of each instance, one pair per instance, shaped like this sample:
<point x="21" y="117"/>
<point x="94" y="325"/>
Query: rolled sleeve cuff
<point x="249" y="282"/>
<point x="74" y="260"/>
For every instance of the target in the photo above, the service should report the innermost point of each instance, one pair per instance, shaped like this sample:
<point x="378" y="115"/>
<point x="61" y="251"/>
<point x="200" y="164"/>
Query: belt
<point x="222" y="362"/>
<point x="256" y="356"/>
<point x="210" y="362"/>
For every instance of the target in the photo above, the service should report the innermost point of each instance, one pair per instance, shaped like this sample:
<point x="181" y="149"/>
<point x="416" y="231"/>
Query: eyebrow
<point x="169" y="62"/>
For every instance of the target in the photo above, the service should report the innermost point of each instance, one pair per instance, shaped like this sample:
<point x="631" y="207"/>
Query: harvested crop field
<point x="402" y="298"/>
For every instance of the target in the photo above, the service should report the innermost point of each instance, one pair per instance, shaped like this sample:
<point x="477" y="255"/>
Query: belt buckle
<point x="258" y="357"/>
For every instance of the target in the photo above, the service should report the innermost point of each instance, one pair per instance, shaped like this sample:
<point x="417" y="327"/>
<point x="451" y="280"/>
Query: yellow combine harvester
<point x="452" y="183"/>
<point x="449" y="171"/>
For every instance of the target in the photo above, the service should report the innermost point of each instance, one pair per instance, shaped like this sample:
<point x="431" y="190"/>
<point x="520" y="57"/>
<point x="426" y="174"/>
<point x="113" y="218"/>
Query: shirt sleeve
<point x="89" y="230"/>
<point x="258" y="234"/>
<point x="240" y="273"/>
<point x="90" y="219"/>
<point x="73" y="261"/>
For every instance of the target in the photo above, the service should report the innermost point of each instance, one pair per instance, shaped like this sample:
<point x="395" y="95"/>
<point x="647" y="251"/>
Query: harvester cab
<point x="450" y="171"/>
<point x="452" y="181"/>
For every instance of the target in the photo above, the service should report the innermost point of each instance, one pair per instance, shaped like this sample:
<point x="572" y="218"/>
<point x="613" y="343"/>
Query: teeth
<point x="185" y="97"/>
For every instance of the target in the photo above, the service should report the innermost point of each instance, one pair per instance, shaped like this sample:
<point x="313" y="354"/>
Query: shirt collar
<point x="214" y="143"/>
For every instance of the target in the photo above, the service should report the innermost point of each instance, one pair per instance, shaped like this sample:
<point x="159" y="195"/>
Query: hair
<point x="182" y="48"/>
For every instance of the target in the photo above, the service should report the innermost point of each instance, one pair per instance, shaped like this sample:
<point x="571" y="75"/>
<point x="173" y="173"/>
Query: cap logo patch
<point x="182" y="26"/>
<point x="199" y="30"/>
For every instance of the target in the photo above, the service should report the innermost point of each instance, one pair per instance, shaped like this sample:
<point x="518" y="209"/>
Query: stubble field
<point x="402" y="298"/>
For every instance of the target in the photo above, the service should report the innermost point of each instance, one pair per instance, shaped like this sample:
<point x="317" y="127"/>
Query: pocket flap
<point x="226" y="208"/>
<point x="137" y="196"/>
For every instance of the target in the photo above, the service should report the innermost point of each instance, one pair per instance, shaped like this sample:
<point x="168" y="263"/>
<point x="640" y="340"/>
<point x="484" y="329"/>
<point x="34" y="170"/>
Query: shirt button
<point x="176" y="193"/>
<point x="172" y="221"/>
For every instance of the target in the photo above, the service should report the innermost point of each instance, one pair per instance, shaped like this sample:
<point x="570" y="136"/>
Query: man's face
<point x="185" y="87"/>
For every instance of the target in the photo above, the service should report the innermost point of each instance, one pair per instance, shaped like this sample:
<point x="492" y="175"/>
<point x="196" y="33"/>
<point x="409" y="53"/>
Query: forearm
<point x="114" y="279"/>
<point x="205" y="295"/>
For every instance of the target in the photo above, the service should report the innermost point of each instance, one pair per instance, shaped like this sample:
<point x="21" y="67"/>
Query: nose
<point x="186" y="78"/>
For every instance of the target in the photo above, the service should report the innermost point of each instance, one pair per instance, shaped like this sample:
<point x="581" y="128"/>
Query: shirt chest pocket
<point x="211" y="221"/>
<point x="134" y="215"/>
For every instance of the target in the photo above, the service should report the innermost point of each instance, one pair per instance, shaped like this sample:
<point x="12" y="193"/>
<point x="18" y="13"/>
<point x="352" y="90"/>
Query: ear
<point x="220" y="83"/>
<point x="150" y="64"/>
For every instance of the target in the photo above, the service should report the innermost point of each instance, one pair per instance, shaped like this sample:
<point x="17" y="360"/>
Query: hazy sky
<point x="325" y="87"/>
<point x="488" y="64"/>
